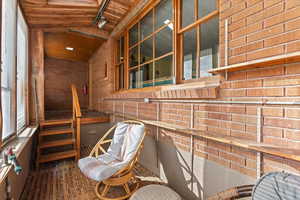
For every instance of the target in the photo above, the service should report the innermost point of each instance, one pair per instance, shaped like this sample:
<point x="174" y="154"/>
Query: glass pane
<point x="133" y="78"/>
<point x="147" y="25"/>
<point x="189" y="54"/>
<point x="146" y="50"/>
<point x="121" y="76"/>
<point x="163" y="13"/>
<point x="122" y="49"/>
<point x="163" y="42"/>
<point x="209" y="46"/>
<point x="163" y="70"/>
<point x="6" y="112"/>
<point x="205" y="7"/>
<point x="133" y="35"/>
<point x="188" y="12"/>
<point x="133" y="57"/>
<point x="147" y="75"/>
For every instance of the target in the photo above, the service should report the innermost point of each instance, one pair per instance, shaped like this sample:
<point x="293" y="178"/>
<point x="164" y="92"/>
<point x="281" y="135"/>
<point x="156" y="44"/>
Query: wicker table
<point x="155" y="192"/>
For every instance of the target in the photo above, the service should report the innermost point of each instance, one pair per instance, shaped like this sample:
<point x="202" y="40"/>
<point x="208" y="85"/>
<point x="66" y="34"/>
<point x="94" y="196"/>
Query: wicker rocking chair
<point x="113" y="168"/>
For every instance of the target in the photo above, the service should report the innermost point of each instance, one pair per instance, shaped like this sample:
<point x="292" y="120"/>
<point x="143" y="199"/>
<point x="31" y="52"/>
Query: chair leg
<point x="105" y="190"/>
<point x="126" y="187"/>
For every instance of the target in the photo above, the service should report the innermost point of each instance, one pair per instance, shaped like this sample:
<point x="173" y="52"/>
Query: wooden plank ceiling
<point x="73" y="13"/>
<point x="83" y="46"/>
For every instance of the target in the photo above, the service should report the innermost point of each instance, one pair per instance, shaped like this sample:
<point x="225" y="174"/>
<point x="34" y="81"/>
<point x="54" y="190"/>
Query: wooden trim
<point x="199" y="21"/>
<point x="260" y="63"/>
<point x="1" y="116"/>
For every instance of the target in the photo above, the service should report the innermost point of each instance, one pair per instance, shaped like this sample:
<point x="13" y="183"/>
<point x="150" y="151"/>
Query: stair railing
<point x="76" y="117"/>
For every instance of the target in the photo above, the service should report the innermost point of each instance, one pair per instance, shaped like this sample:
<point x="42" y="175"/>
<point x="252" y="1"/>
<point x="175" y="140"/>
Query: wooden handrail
<point x="76" y="118"/>
<point x="76" y="105"/>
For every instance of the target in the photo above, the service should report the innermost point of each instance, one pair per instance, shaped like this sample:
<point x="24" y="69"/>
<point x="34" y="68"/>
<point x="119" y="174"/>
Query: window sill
<point x="18" y="143"/>
<point x="203" y="88"/>
<point x="260" y="63"/>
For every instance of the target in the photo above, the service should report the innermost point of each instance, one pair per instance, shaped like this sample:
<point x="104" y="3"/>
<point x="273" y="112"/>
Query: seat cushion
<point x="155" y="192"/>
<point x="100" y="168"/>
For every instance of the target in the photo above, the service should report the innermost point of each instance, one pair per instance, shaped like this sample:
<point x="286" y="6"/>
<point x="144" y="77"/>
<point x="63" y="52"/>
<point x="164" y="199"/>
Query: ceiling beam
<point x="74" y="3"/>
<point x="88" y="30"/>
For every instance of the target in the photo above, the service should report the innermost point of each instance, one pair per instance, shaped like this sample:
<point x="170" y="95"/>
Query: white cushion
<point x="155" y="192"/>
<point x="122" y="150"/>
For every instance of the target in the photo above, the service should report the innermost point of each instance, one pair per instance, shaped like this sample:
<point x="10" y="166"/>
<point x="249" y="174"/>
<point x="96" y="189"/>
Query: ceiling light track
<point x="100" y="19"/>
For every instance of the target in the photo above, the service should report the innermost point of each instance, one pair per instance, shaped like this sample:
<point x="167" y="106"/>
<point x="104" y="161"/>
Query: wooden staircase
<point x="60" y="139"/>
<point x="54" y="138"/>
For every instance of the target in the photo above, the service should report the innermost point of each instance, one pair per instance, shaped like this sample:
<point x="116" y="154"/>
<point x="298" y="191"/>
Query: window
<point x="22" y="66"/>
<point x="151" y="48"/>
<point x="8" y="67"/>
<point x="200" y="37"/>
<point x="14" y="71"/>
<point x="155" y="34"/>
<point x="120" y="83"/>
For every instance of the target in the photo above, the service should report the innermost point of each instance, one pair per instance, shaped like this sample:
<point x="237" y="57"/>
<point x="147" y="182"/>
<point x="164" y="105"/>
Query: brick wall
<point x="257" y="29"/>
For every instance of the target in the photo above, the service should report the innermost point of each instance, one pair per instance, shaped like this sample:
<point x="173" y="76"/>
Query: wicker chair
<point x="123" y="176"/>
<point x="238" y="192"/>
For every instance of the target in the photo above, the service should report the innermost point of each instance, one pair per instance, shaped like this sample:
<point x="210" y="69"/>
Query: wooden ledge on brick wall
<point x="265" y="62"/>
<point x="279" y="151"/>
<point x="204" y="88"/>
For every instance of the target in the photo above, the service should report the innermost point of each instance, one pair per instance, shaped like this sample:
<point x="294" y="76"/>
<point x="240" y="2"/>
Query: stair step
<point x="55" y="122"/>
<point x="56" y="132"/>
<point x="56" y="143"/>
<point x="57" y="156"/>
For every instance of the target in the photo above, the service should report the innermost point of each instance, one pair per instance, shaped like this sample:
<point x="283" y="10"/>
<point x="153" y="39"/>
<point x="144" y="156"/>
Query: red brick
<point x="293" y="68"/>
<point x="266" y="72"/>
<point x="283" y="38"/>
<point x="271" y="131"/>
<point x="268" y="3"/>
<point x="273" y="51"/>
<point x="293" y="47"/>
<point x="232" y="157"/>
<point x="292" y="113"/>
<point x="273" y="111"/>
<point x="293" y="91"/>
<point x="249" y="11"/>
<point x="292" y="4"/>
<point x="282" y="123"/>
<point x="292" y="134"/>
<point x="265" y="33"/>
<point x="265" y="92"/>
<point x="246" y="84"/>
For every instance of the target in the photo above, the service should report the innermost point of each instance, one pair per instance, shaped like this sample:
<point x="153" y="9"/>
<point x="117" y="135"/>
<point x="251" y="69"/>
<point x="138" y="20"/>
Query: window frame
<point x="177" y="51"/>
<point x="195" y="25"/>
<point x="13" y="85"/>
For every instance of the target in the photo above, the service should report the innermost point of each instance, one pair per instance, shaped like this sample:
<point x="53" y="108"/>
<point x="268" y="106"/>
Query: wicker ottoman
<point x="155" y="192"/>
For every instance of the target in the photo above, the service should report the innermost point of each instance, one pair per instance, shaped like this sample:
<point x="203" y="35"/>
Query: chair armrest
<point x="234" y="193"/>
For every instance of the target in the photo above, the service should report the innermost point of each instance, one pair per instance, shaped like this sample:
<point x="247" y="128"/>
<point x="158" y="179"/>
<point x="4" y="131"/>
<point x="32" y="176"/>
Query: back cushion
<point x="133" y="137"/>
<point x="117" y="142"/>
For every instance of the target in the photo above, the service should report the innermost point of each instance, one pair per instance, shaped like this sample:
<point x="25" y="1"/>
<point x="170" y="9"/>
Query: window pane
<point x="147" y="25"/>
<point x="133" y="57"/>
<point x="163" y="70"/>
<point x="146" y="50"/>
<point x="8" y="67"/>
<point x="188" y="12"/>
<point x="121" y="49"/>
<point x="6" y="111"/>
<point x="163" y="42"/>
<point x="133" y="35"/>
<point x="205" y="7"/>
<point x="163" y="13"/>
<point x="189" y="54"/>
<point x="209" y="46"/>
<point x="133" y="78"/>
<point x="147" y="75"/>
<point x="121" y="76"/>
